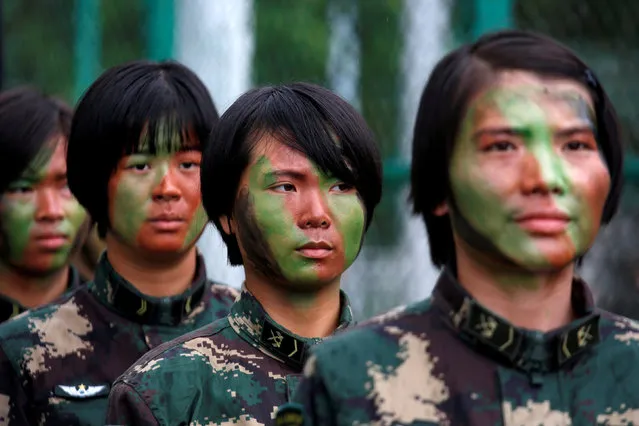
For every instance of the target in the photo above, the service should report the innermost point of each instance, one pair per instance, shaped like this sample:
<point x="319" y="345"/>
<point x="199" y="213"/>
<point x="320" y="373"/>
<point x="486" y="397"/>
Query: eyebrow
<point x="285" y="173"/>
<point x="525" y="131"/>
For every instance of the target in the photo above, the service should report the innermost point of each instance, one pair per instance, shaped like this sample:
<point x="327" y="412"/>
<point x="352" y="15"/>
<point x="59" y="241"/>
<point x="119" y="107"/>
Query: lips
<point x="51" y="240"/>
<point x="543" y="222"/>
<point x="166" y="222"/>
<point x="315" y="249"/>
<point x="166" y="217"/>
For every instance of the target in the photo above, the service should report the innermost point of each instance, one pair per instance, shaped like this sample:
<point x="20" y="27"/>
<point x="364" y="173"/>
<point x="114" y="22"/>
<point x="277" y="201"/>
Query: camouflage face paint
<point x="286" y="203"/>
<point x="39" y="216"/>
<point x="155" y="201"/>
<point x="525" y="149"/>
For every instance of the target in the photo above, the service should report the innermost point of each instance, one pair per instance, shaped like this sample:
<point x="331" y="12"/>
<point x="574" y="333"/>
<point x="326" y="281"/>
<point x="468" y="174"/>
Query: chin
<point x="164" y="249"/>
<point x="310" y="282"/>
<point x="40" y="267"/>
<point x="164" y="244"/>
<point x="547" y="262"/>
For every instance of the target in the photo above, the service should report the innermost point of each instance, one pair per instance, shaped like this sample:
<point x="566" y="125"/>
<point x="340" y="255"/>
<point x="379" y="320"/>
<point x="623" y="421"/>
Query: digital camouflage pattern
<point x="449" y="361"/>
<point x="57" y="363"/>
<point x="10" y="308"/>
<point x="236" y="371"/>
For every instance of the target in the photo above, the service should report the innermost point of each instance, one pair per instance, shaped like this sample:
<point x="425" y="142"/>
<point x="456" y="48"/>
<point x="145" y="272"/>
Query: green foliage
<point x="39" y="39"/>
<point x="291" y="41"/>
<point x="123" y="31"/>
<point x="38" y="43"/>
<point x="381" y="44"/>
<point x="604" y="34"/>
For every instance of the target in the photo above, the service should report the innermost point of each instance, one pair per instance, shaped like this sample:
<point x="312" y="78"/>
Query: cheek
<point x="482" y="189"/>
<point x="350" y="219"/>
<point x="15" y="214"/>
<point x="190" y="191"/>
<point x="593" y="185"/>
<point x="75" y="212"/>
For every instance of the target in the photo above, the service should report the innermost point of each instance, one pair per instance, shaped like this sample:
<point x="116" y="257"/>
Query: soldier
<point x="291" y="178"/>
<point x="41" y="222"/>
<point x="517" y="161"/>
<point x="134" y="163"/>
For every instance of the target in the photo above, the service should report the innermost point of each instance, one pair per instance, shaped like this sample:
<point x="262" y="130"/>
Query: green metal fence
<point x="63" y="45"/>
<point x="379" y="29"/>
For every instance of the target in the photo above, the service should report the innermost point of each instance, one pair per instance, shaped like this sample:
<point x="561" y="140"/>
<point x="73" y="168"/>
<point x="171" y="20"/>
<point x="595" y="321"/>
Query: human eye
<point x="283" y="187"/>
<point x="499" y="146"/>
<point x="342" y="187"/>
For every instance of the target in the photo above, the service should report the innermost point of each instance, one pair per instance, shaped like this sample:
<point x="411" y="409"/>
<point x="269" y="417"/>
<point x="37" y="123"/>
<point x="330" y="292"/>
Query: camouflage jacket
<point x="10" y="308"/>
<point x="450" y="361"/>
<point x="57" y="363"/>
<point x="235" y="371"/>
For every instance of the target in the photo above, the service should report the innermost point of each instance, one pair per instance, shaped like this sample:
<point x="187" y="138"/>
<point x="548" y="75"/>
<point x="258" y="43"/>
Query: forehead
<point x="525" y="97"/>
<point x="50" y="160"/>
<point x="278" y="154"/>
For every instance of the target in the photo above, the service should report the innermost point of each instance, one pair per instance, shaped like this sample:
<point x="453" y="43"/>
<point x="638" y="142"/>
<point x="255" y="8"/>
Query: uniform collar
<point x="121" y="296"/>
<point x="527" y="350"/>
<point x="249" y="319"/>
<point x="10" y="308"/>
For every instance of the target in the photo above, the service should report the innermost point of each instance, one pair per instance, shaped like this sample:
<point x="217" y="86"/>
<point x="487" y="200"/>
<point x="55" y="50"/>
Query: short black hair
<point x="461" y="75"/>
<point x="28" y="120"/>
<point x="307" y="118"/>
<point x="129" y="103"/>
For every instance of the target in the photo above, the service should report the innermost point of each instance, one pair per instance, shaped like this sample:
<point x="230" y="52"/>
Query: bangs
<point x="299" y="124"/>
<point x="164" y="135"/>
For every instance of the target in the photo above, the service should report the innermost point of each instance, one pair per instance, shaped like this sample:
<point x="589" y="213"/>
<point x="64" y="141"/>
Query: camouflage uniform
<point x="235" y="371"/>
<point x="10" y="308"/>
<point x="57" y="363"/>
<point x="449" y="361"/>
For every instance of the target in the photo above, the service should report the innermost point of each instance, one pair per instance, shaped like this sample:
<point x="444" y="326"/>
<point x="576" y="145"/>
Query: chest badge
<point x="81" y="391"/>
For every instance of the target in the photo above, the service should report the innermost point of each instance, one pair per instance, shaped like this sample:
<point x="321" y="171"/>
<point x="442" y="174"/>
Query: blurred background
<point x="375" y="53"/>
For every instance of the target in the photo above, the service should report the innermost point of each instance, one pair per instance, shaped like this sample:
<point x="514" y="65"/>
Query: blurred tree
<point x="39" y="40"/>
<point x="604" y="34"/>
<point x="291" y="41"/>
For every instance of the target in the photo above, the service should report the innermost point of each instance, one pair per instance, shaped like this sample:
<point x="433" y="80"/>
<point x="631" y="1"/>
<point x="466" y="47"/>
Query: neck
<point x="32" y="291"/>
<point x="156" y="277"/>
<point x="307" y="314"/>
<point x="531" y="300"/>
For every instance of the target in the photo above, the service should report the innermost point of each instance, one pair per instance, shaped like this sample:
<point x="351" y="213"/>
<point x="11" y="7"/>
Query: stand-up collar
<point x="528" y="350"/>
<point x="10" y="308"/>
<point x="250" y="320"/>
<point x="121" y="296"/>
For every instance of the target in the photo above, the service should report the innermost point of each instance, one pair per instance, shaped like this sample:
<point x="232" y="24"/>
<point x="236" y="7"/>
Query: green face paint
<point x="281" y="210"/>
<point x="155" y="201"/>
<point x="39" y="216"/>
<point x="522" y="151"/>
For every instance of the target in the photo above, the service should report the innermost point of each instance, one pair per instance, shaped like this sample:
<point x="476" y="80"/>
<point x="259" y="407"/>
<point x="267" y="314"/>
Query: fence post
<point x="88" y="44"/>
<point x="160" y="28"/>
<point x="492" y="15"/>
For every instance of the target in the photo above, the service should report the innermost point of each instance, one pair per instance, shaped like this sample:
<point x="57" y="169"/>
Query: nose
<point x="167" y="188"/>
<point x="315" y="212"/>
<point x="543" y="172"/>
<point x="49" y="205"/>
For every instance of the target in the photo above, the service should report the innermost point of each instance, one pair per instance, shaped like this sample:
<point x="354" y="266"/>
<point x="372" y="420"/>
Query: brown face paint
<point x="258" y="252"/>
<point x="312" y="224"/>
<point x="527" y="148"/>
<point x="39" y="217"/>
<point x="154" y="198"/>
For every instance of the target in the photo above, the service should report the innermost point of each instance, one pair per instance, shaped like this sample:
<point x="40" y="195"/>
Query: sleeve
<point x="127" y="407"/>
<point x="13" y="399"/>
<point x="311" y="399"/>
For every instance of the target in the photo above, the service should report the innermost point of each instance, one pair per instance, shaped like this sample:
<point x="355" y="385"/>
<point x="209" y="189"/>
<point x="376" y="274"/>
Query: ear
<point x="441" y="209"/>
<point x="228" y="224"/>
